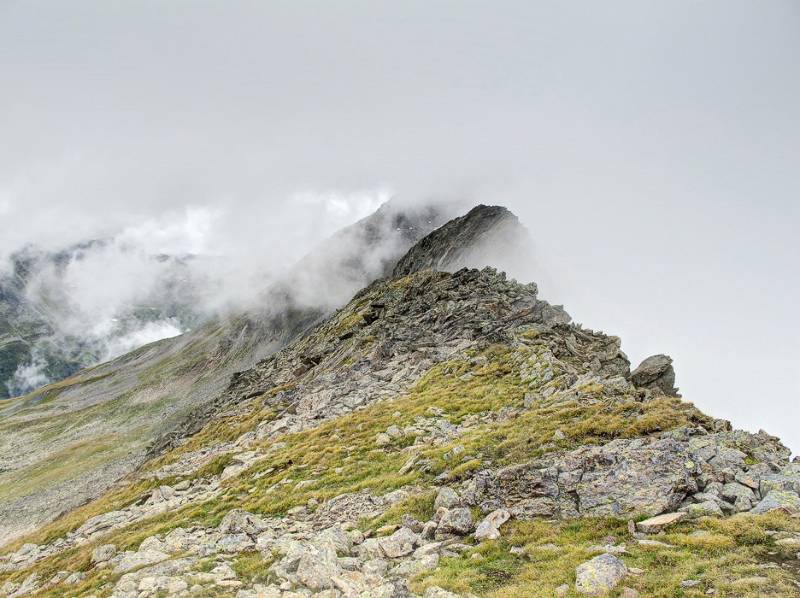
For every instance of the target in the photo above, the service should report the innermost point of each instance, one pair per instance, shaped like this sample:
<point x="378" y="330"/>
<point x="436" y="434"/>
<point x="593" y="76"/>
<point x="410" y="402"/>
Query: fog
<point x="650" y="149"/>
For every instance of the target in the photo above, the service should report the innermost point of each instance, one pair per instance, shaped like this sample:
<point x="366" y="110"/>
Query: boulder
<point x="128" y="561"/>
<point x="334" y="537"/>
<point x="778" y="499"/>
<point x="239" y="521"/>
<point x="399" y="543"/>
<point x="706" y="508"/>
<point x="600" y="575"/>
<point x="489" y="528"/>
<point x="447" y="498"/>
<point x="656" y="373"/>
<point x="317" y="567"/>
<point x="455" y="522"/>
<point x="740" y="495"/>
<point x="653" y="525"/>
<point x="645" y="476"/>
<point x="103" y="553"/>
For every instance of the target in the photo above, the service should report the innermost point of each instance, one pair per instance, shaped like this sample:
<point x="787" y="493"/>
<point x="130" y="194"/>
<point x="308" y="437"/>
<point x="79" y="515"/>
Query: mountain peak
<point x="471" y="240"/>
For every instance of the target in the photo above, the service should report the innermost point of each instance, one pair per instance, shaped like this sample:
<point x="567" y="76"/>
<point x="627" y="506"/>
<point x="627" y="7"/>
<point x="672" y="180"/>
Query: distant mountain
<point x="45" y="335"/>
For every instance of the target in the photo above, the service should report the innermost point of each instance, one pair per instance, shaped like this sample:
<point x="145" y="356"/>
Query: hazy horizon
<point x="650" y="150"/>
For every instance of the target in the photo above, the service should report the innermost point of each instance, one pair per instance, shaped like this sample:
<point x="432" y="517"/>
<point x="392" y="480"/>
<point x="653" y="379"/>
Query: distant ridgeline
<point x="45" y="336"/>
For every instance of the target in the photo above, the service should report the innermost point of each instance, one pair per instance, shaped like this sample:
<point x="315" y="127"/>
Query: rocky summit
<point x="446" y="433"/>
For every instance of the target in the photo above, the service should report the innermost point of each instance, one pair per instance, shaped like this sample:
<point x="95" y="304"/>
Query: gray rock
<point x="400" y="543"/>
<point x="641" y="476"/>
<point x="656" y="373"/>
<point x="317" y="567"/>
<point x="489" y="528"/>
<point x="707" y="508"/>
<point x="599" y="575"/>
<point x="778" y="499"/>
<point x="429" y="530"/>
<point x="235" y="543"/>
<point x="336" y="538"/>
<point x="456" y="521"/>
<point x="103" y="553"/>
<point x="371" y="549"/>
<point x="239" y="521"/>
<point x="128" y="561"/>
<point x="394" y="432"/>
<point x="740" y="495"/>
<point x="446" y="498"/>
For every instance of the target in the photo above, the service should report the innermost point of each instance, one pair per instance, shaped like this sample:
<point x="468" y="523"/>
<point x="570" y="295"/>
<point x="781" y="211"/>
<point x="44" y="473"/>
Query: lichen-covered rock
<point x="103" y="553"/>
<point x="706" y="508"/>
<point x="456" y="521"/>
<point x="600" y="575"/>
<point x="447" y="498"/>
<point x="127" y="561"/>
<point x="317" y="567"/>
<point x="400" y="543"/>
<point x="240" y="521"/>
<point x="645" y="476"/>
<point x="778" y="499"/>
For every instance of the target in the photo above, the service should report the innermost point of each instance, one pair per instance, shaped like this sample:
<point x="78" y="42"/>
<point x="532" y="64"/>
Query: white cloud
<point x="150" y="332"/>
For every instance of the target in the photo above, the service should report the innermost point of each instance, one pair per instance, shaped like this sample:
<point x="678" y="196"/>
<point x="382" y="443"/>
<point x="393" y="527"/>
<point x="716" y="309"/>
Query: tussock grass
<point x="737" y="548"/>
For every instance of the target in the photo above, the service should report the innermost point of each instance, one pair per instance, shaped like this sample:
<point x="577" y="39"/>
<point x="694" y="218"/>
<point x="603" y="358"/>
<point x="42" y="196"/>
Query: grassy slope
<point x="340" y="456"/>
<point x="70" y="431"/>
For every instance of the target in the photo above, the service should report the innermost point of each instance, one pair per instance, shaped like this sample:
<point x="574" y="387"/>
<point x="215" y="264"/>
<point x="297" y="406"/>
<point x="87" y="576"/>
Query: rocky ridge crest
<point x="437" y="423"/>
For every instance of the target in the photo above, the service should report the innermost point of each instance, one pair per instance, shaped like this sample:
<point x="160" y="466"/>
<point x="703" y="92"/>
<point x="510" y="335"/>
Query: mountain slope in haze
<point x="45" y="336"/>
<point x="67" y="442"/>
<point x="441" y="435"/>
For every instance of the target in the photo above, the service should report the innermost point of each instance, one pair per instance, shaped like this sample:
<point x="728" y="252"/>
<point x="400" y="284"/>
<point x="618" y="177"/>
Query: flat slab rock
<point x="659" y="522"/>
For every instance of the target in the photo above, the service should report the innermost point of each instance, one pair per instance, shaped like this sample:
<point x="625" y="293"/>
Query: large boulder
<point x="641" y="476"/>
<point x="457" y="522"/>
<point x="489" y="528"/>
<point x="240" y="521"/>
<point x="446" y="497"/>
<point x="600" y="575"/>
<point x="778" y="500"/>
<point x="317" y="567"/>
<point x="103" y="553"/>
<point x="399" y="543"/>
<point x="656" y="373"/>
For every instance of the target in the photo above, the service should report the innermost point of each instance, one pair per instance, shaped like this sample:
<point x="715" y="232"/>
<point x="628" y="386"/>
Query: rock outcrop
<point x="656" y="373"/>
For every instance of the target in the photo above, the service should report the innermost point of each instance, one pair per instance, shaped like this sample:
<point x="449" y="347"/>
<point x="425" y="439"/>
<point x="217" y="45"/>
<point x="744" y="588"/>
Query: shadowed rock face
<point x="656" y="373"/>
<point x="485" y="236"/>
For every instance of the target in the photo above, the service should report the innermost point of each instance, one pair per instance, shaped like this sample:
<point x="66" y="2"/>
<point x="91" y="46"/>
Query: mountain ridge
<point x="442" y="434"/>
<point x="104" y="419"/>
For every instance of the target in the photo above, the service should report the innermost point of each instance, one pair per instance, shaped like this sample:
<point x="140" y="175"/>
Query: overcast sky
<point x="652" y="150"/>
